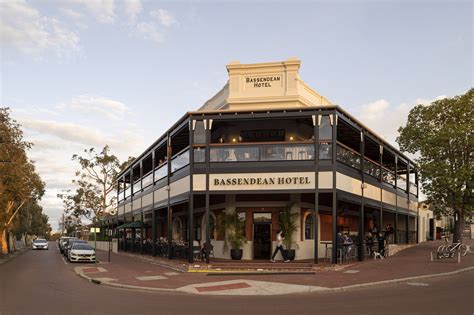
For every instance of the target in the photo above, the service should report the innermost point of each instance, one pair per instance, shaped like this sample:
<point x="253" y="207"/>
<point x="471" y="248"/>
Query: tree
<point x="442" y="135"/>
<point x="19" y="182"/>
<point x="96" y="184"/>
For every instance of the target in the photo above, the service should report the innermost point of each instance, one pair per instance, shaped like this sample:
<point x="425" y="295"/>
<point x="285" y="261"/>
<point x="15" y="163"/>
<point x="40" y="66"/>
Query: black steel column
<point x="395" y="237"/>
<point x="363" y="185"/>
<point x="208" y="223"/>
<point x="191" y="196"/>
<point x="153" y="214"/>
<point x="316" y="186"/>
<point x="334" y="188"/>
<point x="381" y="186"/>
<point x="170" y="211"/>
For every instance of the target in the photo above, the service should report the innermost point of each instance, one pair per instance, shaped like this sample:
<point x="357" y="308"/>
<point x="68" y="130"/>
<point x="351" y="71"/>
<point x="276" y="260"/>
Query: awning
<point x="134" y="225"/>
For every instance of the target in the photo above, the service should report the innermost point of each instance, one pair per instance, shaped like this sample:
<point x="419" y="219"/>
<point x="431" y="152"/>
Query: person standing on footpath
<point x="279" y="247"/>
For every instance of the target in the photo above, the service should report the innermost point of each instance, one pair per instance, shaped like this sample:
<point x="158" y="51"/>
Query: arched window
<point x="309" y="227"/>
<point x="177" y="227"/>
<point x="212" y="225"/>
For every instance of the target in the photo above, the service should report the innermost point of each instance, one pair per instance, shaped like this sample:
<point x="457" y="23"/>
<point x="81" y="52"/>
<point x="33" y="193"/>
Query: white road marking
<point x="351" y="271"/>
<point x="418" y="284"/>
<point x="171" y="273"/>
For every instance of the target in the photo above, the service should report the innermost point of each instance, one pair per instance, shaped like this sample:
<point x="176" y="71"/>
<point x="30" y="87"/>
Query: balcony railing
<point x="388" y="177"/>
<point x="199" y="155"/>
<point x="128" y="191"/>
<point x="161" y="171"/>
<point x="347" y="156"/>
<point x="401" y="183"/>
<point x="325" y="150"/>
<point x="137" y="186"/>
<point x="180" y="160"/>
<point x="147" y="180"/>
<point x="263" y="152"/>
<point x="371" y="168"/>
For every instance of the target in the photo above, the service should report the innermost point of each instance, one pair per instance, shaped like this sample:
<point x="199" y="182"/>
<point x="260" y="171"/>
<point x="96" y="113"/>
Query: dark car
<point x="69" y="244"/>
<point x="62" y="242"/>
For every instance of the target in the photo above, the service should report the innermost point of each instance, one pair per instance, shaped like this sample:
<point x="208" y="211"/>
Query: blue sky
<point x="81" y="73"/>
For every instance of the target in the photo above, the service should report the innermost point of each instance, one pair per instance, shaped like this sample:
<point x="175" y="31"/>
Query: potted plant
<point x="288" y="227"/>
<point x="232" y="226"/>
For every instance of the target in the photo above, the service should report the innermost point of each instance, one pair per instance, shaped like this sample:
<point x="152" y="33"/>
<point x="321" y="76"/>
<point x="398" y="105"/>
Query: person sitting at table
<point x="205" y="249"/>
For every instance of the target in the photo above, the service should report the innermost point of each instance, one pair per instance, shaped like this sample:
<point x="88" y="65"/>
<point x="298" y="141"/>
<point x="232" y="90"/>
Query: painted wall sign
<point x="245" y="181"/>
<point x="262" y="82"/>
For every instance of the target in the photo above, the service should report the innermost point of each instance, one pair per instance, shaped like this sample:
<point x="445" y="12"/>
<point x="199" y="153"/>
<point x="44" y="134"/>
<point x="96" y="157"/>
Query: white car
<point x="81" y="252"/>
<point x="40" y="243"/>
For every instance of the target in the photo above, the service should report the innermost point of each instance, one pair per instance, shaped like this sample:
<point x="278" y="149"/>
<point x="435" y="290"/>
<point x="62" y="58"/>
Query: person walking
<point x="279" y="247"/>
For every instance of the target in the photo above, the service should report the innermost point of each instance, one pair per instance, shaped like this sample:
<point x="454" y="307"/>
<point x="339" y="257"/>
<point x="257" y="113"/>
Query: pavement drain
<point x="418" y="284"/>
<point x="171" y="273"/>
<point x="351" y="271"/>
<point x="149" y="278"/>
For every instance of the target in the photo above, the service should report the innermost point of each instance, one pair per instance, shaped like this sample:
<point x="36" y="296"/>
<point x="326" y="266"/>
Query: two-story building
<point x="265" y="141"/>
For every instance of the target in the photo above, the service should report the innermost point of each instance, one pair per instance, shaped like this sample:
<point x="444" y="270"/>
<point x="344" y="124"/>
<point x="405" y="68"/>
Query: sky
<point x="85" y="73"/>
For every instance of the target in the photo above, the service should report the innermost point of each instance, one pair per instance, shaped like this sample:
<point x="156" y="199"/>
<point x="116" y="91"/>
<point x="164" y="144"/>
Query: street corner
<point x="248" y="287"/>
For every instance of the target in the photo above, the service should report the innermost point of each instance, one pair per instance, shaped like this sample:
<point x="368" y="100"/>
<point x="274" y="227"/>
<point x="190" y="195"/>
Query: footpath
<point x="412" y="264"/>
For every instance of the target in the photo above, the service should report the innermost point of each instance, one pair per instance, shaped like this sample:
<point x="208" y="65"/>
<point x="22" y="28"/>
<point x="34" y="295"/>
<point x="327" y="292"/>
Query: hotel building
<point x="264" y="142"/>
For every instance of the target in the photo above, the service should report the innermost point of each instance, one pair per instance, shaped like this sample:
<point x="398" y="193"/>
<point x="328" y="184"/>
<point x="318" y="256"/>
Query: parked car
<point x="81" y="252"/>
<point x="69" y="244"/>
<point x="40" y="243"/>
<point x="62" y="242"/>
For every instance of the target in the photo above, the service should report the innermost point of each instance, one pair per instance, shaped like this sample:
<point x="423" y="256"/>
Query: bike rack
<point x="458" y="254"/>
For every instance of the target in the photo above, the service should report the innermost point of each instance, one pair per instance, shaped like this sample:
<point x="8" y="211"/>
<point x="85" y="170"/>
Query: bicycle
<point x="448" y="251"/>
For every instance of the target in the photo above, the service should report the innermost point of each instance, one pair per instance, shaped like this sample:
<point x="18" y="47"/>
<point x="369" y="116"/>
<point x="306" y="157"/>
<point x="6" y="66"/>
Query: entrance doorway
<point x="262" y="236"/>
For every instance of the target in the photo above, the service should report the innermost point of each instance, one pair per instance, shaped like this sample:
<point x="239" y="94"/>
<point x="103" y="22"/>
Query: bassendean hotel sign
<point x="261" y="181"/>
<point x="244" y="181"/>
<point x="263" y="81"/>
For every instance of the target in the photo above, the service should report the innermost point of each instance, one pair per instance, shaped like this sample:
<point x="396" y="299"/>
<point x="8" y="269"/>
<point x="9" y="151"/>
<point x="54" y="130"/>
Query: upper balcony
<point x="232" y="140"/>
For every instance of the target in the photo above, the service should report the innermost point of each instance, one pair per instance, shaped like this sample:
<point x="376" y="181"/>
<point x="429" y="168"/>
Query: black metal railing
<point x="347" y="156"/>
<point x="371" y="168"/>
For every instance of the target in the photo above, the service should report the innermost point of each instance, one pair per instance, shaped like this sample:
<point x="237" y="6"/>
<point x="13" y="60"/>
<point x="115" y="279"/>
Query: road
<point x="41" y="282"/>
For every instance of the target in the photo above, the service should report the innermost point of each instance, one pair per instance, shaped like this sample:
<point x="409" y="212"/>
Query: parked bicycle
<point x="448" y="250"/>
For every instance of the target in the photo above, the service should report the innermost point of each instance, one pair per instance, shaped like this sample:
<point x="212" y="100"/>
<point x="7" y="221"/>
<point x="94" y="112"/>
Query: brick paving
<point x="410" y="262"/>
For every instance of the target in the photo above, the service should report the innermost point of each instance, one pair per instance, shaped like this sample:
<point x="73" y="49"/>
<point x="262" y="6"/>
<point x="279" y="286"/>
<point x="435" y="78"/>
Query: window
<point x="309" y="227"/>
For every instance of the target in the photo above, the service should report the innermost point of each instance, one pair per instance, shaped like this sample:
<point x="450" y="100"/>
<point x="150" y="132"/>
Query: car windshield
<point x="82" y="247"/>
<point x="40" y="241"/>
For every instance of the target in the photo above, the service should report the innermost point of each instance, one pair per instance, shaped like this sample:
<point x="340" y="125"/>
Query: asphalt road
<point x="41" y="282"/>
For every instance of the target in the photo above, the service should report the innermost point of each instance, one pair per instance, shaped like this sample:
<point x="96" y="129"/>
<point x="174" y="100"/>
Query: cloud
<point x="26" y="30"/>
<point x="164" y="17"/>
<point x="133" y="9"/>
<point x="385" y="119"/>
<point x="149" y="30"/>
<point x="111" y="109"/>
<point x="102" y="10"/>
<point x="66" y="131"/>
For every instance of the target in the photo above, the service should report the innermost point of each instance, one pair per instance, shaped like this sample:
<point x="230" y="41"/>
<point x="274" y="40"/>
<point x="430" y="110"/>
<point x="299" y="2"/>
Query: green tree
<point x="19" y="182"/>
<point x="96" y="184"/>
<point x="441" y="135"/>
